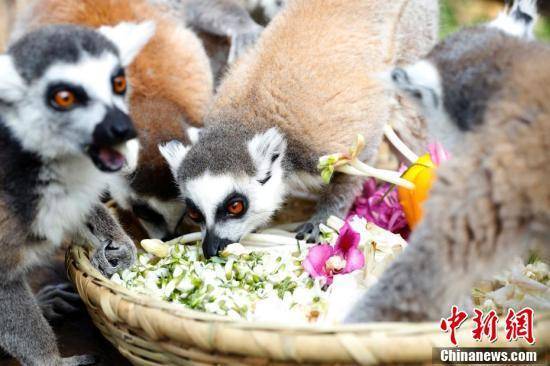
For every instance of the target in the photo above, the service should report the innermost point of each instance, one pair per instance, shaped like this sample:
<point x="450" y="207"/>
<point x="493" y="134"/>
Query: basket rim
<point x="77" y="256"/>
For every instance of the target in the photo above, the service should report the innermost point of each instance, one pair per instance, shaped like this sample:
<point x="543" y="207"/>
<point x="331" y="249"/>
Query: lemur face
<point x="422" y="83"/>
<point x="161" y="216"/>
<point x="229" y="193"/>
<point x="161" y="219"/>
<point x="63" y="92"/>
<point x="454" y="83"/>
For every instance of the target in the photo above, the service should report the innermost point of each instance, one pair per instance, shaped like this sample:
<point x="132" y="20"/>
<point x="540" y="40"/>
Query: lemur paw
<point x="80" y="360"/>
<point x="240" y="42"/>
<point x="58" y="300"/>
<point x="112" y="257"/>
<point x="309" y="231"/>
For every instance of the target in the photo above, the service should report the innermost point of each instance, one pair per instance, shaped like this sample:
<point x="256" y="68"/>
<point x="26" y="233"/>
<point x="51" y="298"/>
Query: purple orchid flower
<point x="326" y="261"/>
<point x="381" y="207"/>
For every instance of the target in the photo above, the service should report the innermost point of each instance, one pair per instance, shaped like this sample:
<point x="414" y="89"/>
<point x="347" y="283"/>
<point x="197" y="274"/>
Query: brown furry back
<point x="313" y="72"/>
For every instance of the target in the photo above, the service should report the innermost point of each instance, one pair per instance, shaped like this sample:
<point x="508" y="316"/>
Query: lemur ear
<point x="420" y="81"/>
<point x="12" y="85"/>
<point x="130" y="38"/>
<point x="194" y="134"/>
<point x="174" y="152"/>
<point x="266" y="149"/>
<point x="518" y="20"/>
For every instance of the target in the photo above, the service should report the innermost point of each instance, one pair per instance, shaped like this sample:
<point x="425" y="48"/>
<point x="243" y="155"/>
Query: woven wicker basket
<point x="148" y="331"/>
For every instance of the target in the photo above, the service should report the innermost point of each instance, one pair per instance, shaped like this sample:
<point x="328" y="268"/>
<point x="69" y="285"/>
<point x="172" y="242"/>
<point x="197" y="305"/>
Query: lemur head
<point x="63" y="88"/>
<point x="232" y="181"/>
<point x="454" y="82"/>
<point x="151" y="194"/>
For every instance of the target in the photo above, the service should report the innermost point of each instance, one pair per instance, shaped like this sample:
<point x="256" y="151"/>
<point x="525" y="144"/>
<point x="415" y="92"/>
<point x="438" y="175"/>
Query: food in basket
<point x="268" y="284"/>
<point x="523" y="285"/>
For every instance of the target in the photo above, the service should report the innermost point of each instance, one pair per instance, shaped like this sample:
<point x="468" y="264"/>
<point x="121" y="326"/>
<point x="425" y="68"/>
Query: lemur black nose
<point x="212" y="244"/>
<point x="116" y="127"/>
<point x="120" y="130"/>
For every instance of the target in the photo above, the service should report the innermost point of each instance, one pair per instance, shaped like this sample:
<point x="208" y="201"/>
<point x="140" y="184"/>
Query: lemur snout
<point x="212" y="244"/>
<point x="115" y="129"/>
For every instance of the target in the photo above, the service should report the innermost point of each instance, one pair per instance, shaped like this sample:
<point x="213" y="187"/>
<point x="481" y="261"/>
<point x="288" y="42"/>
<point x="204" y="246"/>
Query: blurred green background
<point x="455" y="13"/>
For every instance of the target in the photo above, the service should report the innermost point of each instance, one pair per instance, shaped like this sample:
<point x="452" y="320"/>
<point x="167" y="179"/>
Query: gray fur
<point x="224" y="18"/>
<point x="470" y="64"/>
<point x="21" y="314"/>
<point x="222" y="147"/>
<point x="25" y="333"/>
<point x="36" y="51"/>
<point x="219" y="17"/>
<point x="219" y="150"/>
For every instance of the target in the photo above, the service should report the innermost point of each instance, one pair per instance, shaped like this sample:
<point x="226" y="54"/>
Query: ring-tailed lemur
<point x="64" y="130"/>
<point x="485" y="91"/>
<point x="305" y="90"/>
<point x="171" y="86"/>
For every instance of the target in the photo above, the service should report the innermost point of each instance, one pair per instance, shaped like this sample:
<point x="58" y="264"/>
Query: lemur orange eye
<point x="194" y="214"/>
<point x="64" y="99"/>
<point x="119" y="84"/>
<point x="235" y="207"/>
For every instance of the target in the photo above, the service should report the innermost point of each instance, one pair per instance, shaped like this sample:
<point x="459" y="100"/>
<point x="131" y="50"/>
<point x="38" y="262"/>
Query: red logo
<point x="453" y="322"/>
<point x="517" y="324"/>
<point x="520" y="325"/>
<point x="485" y="325"/>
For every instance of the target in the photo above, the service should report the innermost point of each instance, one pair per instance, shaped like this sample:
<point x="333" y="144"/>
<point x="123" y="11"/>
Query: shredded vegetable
<point x="240" y="283"/>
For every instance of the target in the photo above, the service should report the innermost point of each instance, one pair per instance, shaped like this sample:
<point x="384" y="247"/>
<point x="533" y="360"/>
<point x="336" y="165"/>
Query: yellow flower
<point x="422" y="174"/>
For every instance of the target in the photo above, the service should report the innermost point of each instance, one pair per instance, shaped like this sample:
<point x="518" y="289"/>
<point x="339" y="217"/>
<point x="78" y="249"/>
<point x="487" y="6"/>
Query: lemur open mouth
<point x="107" y="158"/>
